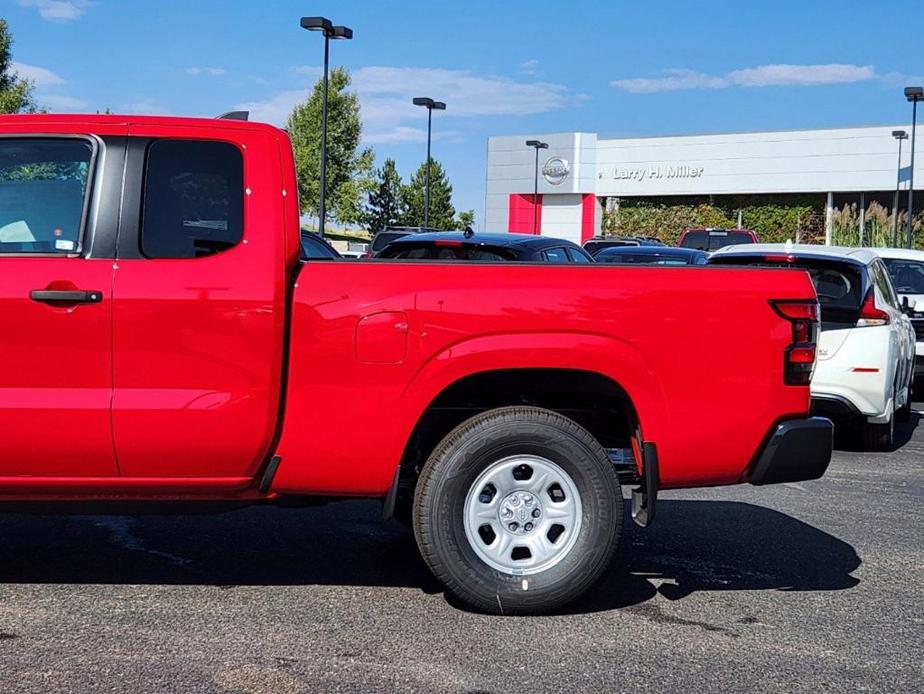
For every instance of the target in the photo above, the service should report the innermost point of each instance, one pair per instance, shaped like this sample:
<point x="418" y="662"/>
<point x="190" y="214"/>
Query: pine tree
<point x="383" y="207"/>
<point x="442" y="213"/>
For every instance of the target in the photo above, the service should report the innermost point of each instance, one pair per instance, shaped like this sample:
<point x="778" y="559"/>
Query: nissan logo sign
<point x="556" y="170"/>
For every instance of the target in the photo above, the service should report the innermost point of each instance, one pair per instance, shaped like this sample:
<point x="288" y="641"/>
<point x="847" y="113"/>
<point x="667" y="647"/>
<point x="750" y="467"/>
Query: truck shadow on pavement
<point x="694" y="546"/>
<point x="721" y="546"/>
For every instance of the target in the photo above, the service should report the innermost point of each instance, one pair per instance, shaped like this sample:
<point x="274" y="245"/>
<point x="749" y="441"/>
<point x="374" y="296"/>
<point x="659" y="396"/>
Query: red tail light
<point x="799" y="357"/>
<point x="870" y="314"/>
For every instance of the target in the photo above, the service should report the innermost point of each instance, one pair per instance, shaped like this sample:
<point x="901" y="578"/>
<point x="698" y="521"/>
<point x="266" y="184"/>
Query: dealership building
<point x="580" y="175"/>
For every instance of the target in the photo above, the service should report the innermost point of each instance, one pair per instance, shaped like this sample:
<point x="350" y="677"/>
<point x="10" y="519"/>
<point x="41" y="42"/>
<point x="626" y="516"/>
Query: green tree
<point x="466" y="219"/>
<point x="383" y="206"/>
<point x="15" y="92"/>
<point x="442" y="213"/>
<point x="349" y="169"/>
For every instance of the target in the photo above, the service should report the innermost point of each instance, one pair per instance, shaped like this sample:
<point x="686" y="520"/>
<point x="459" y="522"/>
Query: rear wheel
<point x="518" y="511"/>
<point x="879" y="437"/>
<point x="903" y="414"/>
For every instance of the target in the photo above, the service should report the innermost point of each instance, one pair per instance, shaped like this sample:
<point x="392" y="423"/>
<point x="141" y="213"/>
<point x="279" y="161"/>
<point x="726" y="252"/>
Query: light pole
<point x="330" y="31"/>
<point x="537" y="145"/>
<point x="914" y="95"/>
<point x="898" y="135"/>
<point x="430" y="105"/>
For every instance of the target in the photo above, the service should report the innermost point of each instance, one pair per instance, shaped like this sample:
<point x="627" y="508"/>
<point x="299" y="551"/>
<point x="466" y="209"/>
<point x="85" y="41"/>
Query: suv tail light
<point x="870" y="314"/>
<point x="799" y="358"/>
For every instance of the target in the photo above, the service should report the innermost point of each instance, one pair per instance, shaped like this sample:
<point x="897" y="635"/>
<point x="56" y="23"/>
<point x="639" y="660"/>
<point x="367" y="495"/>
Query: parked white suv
<point x="906" y="270"/>
<point x="866" y="348"/>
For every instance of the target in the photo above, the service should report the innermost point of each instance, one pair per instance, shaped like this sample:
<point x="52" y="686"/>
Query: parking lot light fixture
<point x="899" y="135"/>
<point x="330" y="31"/>
<point x="537" y="144"/>
<point x="914" y="95"/>
<point x="430" y="105"/>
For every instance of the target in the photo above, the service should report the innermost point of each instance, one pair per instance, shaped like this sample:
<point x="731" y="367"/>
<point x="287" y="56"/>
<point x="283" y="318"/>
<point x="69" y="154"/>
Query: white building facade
<point x="580" y="174"/>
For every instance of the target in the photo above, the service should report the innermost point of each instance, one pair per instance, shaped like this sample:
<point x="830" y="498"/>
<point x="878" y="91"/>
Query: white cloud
<point x="59" y="10"/>
<point x="760" y="76"/>
<point x="276" y="109"/>
<point x="61" y="103"/>
<point x="40" y="76"/>
<point x="210" y="71"/>
<point x="773" y="75"/>
<point x="44" y="79"/>
<point x="466" y="94"/>
<point x="385" y="94"/>
<point x="673" y="80"/>
<point x="400" y="134"/>
<point x="529" y="67"/>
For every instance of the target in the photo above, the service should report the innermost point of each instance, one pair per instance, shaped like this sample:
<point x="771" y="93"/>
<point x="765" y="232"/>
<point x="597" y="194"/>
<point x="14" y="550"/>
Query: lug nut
<point x="528" y="527"/>
<point x="536" y="513"/>
<point x="528" y="500"/>
<point x="506" y="512"/>
<point x="514" y="526"/>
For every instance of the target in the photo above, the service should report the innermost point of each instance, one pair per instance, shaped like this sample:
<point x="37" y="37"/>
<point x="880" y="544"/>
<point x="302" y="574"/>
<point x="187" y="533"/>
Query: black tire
<point x="903" y="414"/>
<point x="878" y="437"/>
<point x="453" y="467"/>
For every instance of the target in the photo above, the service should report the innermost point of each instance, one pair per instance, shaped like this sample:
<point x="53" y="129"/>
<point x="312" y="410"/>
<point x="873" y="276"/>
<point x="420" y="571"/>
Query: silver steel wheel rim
<point x="519" y="523"/>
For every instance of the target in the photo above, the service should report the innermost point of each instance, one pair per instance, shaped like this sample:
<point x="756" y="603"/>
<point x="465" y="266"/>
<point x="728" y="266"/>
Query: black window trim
<point x="91" y="196"/>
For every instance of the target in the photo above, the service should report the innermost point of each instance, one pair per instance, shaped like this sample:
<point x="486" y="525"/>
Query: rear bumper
<point x="797" y="450"/>
<point x="834" y="407"/>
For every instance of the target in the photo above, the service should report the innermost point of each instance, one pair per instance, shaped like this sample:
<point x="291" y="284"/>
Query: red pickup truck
<point x="163" y="341"/>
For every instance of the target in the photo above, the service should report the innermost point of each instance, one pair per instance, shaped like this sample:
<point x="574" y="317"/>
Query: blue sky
<point x="611" y="67"/>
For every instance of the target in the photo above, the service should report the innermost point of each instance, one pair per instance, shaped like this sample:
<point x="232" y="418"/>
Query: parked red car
<point x="164" y="341"/>
<point x="712" y="239"/>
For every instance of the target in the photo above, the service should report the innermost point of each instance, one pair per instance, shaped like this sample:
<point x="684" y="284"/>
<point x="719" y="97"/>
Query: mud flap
<point x="645" y="496"/>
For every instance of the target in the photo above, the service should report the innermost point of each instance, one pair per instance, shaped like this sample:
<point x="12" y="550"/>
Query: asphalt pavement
<point x="816" y="586"/>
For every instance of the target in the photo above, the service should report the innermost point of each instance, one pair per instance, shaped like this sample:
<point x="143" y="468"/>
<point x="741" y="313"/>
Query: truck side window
<point x="43" y="185"/>
<point x="193" y="199"/>
<point x="555" y="255"/>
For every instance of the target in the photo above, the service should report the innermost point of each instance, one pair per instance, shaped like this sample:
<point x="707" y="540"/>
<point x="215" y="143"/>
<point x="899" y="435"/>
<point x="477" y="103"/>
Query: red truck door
<point x="199" y="303"/>
<point x="55" y="308"/>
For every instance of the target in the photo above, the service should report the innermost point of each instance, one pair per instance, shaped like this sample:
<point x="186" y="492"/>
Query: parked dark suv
<point x="457" y="245"/>
<point x="652" y="255"/>
<point x="599" y="243"/>
<point x="388" y="234"/>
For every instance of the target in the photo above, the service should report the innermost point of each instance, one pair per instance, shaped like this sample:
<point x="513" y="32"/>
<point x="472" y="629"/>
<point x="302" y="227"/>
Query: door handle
<point x="66" y="296"/>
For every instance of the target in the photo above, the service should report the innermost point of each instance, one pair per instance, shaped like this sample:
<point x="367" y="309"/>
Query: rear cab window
<point x="444" y="253"/>
<point x="383" y="238"/>
<point x="44" y="193"/>
<point x="840" y="286"/>
<point x="193" y="201"/>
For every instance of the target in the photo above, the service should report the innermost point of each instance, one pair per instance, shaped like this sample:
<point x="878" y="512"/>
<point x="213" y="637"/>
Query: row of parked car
<point x="871" y="341"/>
